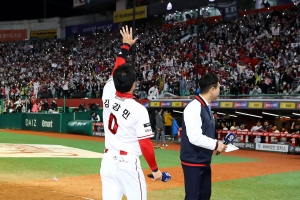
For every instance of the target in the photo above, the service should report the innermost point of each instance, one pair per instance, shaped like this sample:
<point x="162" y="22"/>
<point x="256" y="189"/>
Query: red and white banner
<point x="13" y="35"/>
<point x="260" y="133"/>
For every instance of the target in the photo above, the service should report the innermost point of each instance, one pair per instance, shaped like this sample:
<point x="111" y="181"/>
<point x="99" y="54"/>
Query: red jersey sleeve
<point x="148" y="153"/>
<point x="121" y="59"/>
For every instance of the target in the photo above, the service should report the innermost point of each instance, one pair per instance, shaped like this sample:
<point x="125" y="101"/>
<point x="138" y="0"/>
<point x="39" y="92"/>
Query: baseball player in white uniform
<point x="127" y="133"/>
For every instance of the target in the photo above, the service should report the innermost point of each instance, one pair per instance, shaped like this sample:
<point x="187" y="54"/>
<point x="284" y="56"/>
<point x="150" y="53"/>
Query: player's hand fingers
<point x="156" y="175"/>
<point x="123" y="28"/>
<point x="134" y="41"/>
<point x="127" y="32"/>
<point x="130" y="32"/>
<point x="122" y="33"/>
<point x="156" y="179"/>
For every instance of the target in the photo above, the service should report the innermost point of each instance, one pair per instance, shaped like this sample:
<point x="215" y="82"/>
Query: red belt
<point x="124" y="153"/>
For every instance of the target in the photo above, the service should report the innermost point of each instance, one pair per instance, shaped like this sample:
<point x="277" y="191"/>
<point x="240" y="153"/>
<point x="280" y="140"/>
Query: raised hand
<point x="127" y="35"/>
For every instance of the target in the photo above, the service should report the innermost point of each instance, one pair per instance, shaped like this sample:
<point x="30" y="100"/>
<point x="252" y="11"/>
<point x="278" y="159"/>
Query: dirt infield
<point x="89" y="187"/>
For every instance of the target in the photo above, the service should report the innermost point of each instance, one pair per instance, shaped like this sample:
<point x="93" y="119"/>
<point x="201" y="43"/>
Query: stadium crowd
<point x="256" y="54"/>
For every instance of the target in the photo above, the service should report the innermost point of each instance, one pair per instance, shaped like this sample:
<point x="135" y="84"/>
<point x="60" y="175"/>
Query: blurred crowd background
<point x="256" y="54"/>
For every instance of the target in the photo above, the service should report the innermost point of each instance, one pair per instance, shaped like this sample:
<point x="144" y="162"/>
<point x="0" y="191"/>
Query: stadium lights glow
<point x="233" y="116"/>
<point x="265" y="113"/>
<point x="169" y="6"/>
<point x="221" y="113"/>
<point x="177" y="111"/>
<point x="296" y="114"/>
<point x="286" y="117"/>
<point x="241" y="113"/>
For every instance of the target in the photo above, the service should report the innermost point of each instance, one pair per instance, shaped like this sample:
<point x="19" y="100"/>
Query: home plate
<point x="44" y="150"/>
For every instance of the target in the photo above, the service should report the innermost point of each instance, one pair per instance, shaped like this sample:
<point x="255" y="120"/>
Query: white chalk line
<point x="73" y="195"/>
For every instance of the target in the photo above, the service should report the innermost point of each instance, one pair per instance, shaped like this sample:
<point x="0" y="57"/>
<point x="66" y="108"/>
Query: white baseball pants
<point x="122" y="175"/>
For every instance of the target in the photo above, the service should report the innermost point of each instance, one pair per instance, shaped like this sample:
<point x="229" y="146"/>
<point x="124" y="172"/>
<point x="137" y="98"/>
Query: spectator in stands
<point x="295" y="128"/>
<point x="255" y="91"/>
<point x="265" y="128"/>
<point x="36" y="87"/>
<point x="40" y="105"/>
<point x="274" y="129"/>
<point x="270" y="128"/>
<point x="275" y="139"/>
<point x="234" y="127"/>
<point x="136" y="95"/>
<point x="153" y="93"/>
<point x="81" y="107"/>
<point x="65" y="87"/>
<point x="263" y="86"/>
<point x="243" y="128"/>
<point x="272" y="87"/>
<point x="262" y="4"/>
<point x="287" y="89"/>
<point x="257" y="128"/>
<point x="24" y="106"/>
<point x="35" y="107"/>
<point x="283" y="130"/>
<point x="296" y="89"/>
<point x="18" y="105"/>
<point x="46" y="106"/>
<point x="29" y="105"/>
<point x="223" y="126"/>
<point x="53" y="105"/>
<point x="284" y="139"/>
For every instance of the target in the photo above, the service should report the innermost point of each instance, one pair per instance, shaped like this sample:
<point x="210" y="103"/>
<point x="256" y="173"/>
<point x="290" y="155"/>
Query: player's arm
<point x="193" y="122"/>
<point x="127" y="43"/>
<point x="121" y="59"/>
<point x="144" y="133"/>
<point x="148" y="153"/>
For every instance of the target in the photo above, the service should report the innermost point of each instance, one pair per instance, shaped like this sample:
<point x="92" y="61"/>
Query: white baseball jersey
<point x="125" y="121"/>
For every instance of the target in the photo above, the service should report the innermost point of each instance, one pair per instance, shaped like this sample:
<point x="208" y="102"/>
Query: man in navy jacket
<point x="198" y="140"/>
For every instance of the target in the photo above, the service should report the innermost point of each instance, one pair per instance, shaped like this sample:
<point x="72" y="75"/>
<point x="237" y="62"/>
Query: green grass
<point x="41" y="168"/>
<point x="269" y="187"/>
<point x="167" y="158"/>
<point x="283" y="186"/>
<point x="172" y="194"/>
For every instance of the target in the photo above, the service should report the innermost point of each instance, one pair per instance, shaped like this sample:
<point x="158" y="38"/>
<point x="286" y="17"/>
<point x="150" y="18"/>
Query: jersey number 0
<point x="112" y="124"/>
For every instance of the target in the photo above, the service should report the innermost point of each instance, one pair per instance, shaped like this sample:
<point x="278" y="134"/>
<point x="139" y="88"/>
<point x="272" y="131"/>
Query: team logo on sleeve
<point x="147" y="125"/>
<point x="148" y="128"/>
